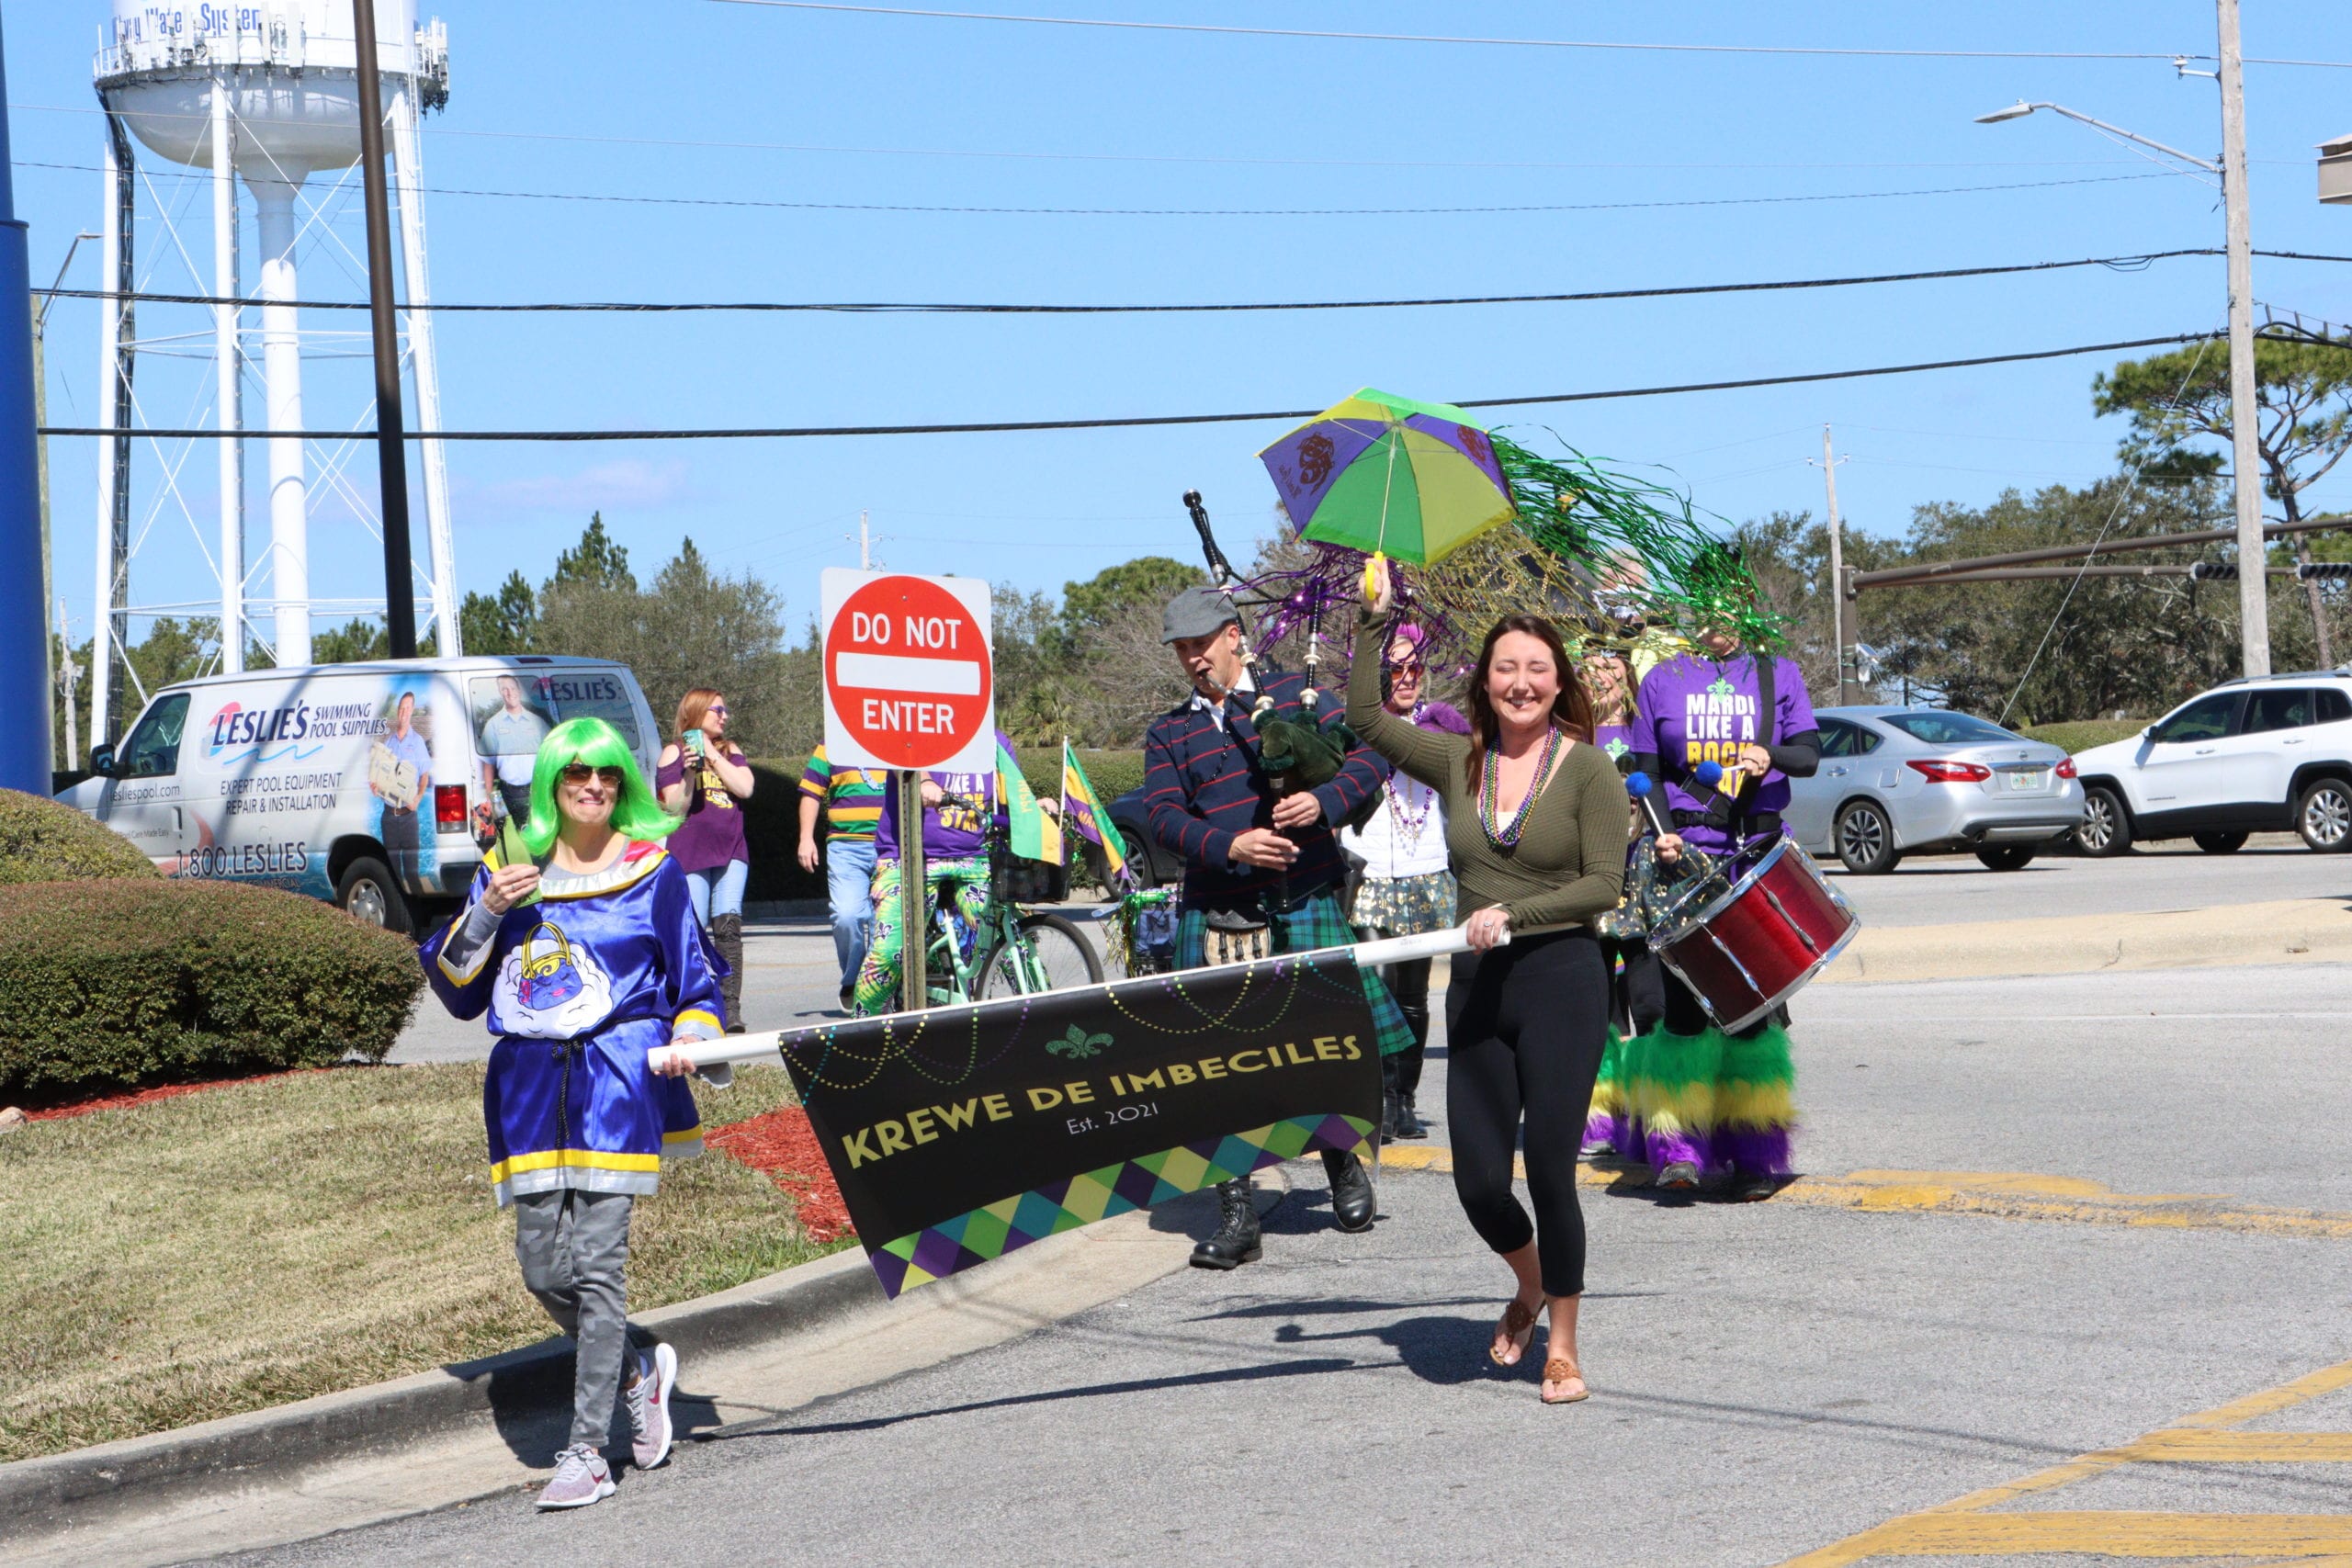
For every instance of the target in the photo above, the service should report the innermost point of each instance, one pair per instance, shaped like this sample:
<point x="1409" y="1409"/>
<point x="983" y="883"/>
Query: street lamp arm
<point x="2019" y="110"/>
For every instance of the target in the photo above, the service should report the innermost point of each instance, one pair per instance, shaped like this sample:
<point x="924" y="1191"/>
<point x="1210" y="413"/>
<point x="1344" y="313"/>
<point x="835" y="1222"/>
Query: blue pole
<point x="23" y="619"/>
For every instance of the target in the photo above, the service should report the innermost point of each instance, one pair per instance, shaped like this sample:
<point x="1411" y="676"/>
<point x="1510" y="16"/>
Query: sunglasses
<point x="580" y="773"/>
<point x="719" y="709"/>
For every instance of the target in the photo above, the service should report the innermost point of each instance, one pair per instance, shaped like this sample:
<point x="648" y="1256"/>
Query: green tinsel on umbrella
<point x="1637" y="543"/>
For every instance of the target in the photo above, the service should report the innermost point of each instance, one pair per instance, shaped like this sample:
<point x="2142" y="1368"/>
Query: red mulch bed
<point x="143" y="1096"/>
<point x="782" y="1143"/>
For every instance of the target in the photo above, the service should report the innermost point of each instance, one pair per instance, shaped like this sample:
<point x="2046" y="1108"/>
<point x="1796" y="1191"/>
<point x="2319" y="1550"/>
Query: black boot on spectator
<point x="727" y="935"/>
<point x="1408" y="1070"/>
<point x="1236" y="1241"/>
<point x="1351" y="1199"/>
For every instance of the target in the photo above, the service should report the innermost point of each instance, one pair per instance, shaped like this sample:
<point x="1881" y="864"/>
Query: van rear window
<point x="589" y="694"/>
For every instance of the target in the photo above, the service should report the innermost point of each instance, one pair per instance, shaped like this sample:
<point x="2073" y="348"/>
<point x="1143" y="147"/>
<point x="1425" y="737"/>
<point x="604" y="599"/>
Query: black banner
<point x="960" y="1133"/>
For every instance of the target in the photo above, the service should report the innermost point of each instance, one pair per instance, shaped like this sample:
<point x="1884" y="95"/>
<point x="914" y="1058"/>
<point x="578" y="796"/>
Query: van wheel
<point x="1865" y="839"/>
<point x="2006" y="857"/>
<point x="368" y="895"/>
<point x="2219" y="843"/>
<point x="2323" y="816"/>
<point x="2106" y="829"/>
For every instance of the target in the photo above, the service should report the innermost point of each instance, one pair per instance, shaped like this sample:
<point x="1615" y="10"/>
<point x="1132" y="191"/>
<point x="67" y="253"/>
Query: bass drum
<point x="1751" y="947"/>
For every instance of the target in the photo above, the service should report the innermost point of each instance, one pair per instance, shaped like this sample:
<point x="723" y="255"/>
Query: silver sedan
<point x="1897" y="780"/>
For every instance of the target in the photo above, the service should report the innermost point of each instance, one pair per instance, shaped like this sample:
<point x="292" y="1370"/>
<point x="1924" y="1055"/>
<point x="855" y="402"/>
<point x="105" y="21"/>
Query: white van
<point x="372" y="785"/>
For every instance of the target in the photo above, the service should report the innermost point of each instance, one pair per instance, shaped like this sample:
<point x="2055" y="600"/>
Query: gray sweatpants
<point x="573" y="1247"/>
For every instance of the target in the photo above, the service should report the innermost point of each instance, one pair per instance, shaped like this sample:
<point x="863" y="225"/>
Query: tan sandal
<point x="1518" y="1325"/>
<point x="1559" y="1369"/>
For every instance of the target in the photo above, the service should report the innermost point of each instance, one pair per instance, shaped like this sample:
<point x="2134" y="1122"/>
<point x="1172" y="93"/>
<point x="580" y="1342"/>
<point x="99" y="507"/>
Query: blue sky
<point x="590" y="98"/>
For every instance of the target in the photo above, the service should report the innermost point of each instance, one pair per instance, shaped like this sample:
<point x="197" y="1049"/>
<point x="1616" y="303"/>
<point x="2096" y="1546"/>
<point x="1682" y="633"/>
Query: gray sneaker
<point x="648" y="1407"/>
<point x="581" y="1477"/>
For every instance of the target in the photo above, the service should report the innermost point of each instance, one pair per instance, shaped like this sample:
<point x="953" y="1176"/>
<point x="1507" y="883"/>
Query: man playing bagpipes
<point x="1227" y="786"/>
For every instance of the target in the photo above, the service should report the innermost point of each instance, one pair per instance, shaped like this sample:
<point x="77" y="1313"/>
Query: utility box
<point x="2335" y="171"/>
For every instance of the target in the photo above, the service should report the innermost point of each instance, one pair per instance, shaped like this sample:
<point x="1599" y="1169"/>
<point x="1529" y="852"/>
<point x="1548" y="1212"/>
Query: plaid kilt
<point x="1316" y="922"/>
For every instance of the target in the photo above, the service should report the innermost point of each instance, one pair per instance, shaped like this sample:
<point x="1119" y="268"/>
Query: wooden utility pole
<point x="2245" y="461"/>
<point x="391" y="453"/>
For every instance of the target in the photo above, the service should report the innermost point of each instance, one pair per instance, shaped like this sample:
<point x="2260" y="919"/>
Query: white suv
<point x="2248" y="756"/>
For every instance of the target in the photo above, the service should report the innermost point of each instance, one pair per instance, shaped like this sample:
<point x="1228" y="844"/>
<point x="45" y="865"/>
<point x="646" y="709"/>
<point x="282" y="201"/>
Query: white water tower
<point x="265" y="91"/>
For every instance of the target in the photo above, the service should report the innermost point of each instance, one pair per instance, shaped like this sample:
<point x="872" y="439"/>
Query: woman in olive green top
<point x="1535" y="829"/>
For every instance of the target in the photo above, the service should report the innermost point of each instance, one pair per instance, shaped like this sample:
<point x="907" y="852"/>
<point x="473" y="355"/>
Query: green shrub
<point x="772" y="816"/>
<point x="47" y="840"/>
<point x="126" y="982"/>
<point x="2083" y="734"/>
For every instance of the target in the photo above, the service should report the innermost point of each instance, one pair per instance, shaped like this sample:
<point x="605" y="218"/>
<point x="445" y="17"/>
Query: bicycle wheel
<point x="1049" y="947"/>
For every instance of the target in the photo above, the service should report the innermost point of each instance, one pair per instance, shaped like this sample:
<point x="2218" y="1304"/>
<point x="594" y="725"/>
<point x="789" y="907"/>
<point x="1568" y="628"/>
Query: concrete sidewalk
<point x="2292" y="931"/>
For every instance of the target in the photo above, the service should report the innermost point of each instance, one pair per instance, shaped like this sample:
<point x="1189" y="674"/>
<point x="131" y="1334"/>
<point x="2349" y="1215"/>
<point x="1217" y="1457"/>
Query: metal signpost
<point x="910" y="685"/>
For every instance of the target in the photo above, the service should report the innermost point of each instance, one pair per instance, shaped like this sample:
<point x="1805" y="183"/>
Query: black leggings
<point x="1524" y="1028"/>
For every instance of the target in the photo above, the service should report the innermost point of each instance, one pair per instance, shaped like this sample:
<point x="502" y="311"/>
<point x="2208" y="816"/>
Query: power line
<point x="2120" y="264"/>
<point x="1497" y="42"/>
<point x="1005" y="427"/>
<point x="758" y="203"/>
<point x="437" y="131"/>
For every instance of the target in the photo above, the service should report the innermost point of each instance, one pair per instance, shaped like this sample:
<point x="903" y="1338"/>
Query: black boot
<point x="1351" y="1199"/>
<point x="1389" y="1099"/>
<point x="727" y="935"/>
<point x="1236" y="1241"/>
<point x="1408" y="1071"/>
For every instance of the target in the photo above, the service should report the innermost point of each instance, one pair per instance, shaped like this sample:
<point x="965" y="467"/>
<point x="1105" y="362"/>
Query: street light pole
<point x="2245" y="457"/>
<point x="2245" y="461"/>
<point x="391" y="453"/>
<point x="1836" y="570"/>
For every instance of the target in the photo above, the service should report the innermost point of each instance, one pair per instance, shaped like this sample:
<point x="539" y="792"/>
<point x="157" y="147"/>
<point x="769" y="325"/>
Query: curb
<point x="2289" y="931"/>
<point x="61" y="1490"/>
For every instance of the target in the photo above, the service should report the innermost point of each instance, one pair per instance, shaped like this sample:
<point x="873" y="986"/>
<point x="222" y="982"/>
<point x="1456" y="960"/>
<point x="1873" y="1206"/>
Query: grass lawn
<point x="259" y="1243"/>
<point x="2081" y="735"/>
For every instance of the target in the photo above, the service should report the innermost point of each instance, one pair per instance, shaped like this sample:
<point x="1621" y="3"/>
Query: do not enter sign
<point x="908" y="678"/>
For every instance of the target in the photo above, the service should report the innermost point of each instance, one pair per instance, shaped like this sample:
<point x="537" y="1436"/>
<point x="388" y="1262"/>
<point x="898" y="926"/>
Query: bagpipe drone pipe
<point x="1296" y="753"/>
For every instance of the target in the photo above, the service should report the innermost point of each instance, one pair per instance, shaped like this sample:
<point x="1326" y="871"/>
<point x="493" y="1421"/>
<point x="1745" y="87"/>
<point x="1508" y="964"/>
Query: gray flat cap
<point x="1196" y="611"/>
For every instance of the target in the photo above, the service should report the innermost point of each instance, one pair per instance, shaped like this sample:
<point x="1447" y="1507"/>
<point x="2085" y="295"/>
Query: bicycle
<point x="1012" y="950"/>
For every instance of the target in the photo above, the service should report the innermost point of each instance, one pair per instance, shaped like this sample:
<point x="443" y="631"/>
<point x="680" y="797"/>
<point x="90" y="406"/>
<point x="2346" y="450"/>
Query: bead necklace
<point x="1490" y="790"/>
<point x="1408" y="823"/>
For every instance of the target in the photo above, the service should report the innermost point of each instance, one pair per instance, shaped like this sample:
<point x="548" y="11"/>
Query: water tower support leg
<point x="230" y="412"/>
<point x="281" y="359"/>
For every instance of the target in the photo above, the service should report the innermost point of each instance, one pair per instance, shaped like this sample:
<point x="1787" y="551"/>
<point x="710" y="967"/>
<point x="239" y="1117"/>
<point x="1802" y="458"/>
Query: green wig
<point x="637" y="812"/>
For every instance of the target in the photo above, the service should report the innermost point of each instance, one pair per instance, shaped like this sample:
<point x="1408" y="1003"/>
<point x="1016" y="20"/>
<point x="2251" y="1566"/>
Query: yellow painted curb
<point x="2289" y="931"/>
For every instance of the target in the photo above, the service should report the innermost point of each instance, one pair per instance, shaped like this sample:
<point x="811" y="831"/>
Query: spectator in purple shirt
<point x="956" y="810"/>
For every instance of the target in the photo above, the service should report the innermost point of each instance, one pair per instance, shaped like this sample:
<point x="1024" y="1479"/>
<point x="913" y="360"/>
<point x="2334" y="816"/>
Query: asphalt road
<point x="1768" y="1380"/>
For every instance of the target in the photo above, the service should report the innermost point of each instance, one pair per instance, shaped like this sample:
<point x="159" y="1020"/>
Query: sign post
<point x="910" y="685"/>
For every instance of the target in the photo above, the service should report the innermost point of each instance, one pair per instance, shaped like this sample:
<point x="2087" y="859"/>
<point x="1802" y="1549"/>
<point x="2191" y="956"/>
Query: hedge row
<point x="2081" y="735"/>
<point x="44" y="841"/>
<point x="772" y="816"/>
<point x="127" y="982"/>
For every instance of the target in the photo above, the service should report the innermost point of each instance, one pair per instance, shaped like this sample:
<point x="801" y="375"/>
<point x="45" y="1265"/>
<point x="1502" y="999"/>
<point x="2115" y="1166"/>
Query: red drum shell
<point x="1753" y="948"/>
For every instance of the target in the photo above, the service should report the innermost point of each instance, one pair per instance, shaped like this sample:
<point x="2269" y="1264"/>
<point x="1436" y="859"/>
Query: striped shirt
<point x="1203" y="788"/>
<point x="852" y="797"/>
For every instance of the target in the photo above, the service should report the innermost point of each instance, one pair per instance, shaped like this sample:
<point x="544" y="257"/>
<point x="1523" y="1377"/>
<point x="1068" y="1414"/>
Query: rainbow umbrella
<point x="1388" y="475"/>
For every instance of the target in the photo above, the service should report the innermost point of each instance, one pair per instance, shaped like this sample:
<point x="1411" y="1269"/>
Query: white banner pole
<point x="770" y="1043"/>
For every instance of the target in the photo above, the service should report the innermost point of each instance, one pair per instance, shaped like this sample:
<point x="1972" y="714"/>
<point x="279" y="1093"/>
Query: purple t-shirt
<point x="713" y="832"/>
<point x="951" y="830"/>
<point x="1617" y="739"/>
<point x="1693" y="709"/>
